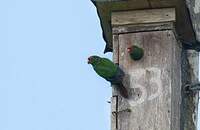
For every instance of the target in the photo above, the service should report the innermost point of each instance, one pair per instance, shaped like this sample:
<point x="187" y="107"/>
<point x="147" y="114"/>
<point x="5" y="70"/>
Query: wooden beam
<point x="142" y="28"/>
<point x="143" y="16"/>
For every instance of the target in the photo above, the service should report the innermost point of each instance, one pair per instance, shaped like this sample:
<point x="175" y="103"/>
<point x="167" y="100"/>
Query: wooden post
<point x="156" y="82"/>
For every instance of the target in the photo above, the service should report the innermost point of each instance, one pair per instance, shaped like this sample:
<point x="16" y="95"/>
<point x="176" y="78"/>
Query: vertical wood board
<point x="154" y="82"/>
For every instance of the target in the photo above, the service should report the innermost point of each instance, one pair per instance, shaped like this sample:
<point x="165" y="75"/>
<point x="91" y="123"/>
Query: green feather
<point x="110" y="72"/>
<point x="104" y="67"/>
<point x="136" y="53"/>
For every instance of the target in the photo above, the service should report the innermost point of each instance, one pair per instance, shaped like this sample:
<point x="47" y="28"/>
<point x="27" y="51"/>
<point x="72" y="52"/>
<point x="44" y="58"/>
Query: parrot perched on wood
<point x="110" y="72"/>
<point x="135" y="52"/>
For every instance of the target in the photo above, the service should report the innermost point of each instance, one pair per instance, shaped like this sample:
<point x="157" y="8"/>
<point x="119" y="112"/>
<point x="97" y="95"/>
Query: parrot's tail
<point x="123" y="91"/>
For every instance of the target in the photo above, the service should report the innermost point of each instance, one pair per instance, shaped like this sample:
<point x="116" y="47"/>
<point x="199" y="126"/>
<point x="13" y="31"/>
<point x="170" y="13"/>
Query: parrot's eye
<point x="90" y="58"/>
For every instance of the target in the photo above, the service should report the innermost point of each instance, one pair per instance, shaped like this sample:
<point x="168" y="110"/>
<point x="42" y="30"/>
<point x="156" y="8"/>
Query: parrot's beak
<point x="89" y="60"/>
<point x="129" y="49"/>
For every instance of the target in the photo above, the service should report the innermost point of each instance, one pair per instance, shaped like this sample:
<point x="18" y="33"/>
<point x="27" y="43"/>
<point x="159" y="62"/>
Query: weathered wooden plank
<point x="190" y="67"/>
<point x="193" y="60"/>
<point x="116" y="49"/>
<point x="176" y="88"/>
<point x="115" y="55"/>
<point x="142" y="28"/>
<point x="152" y="80"/>
<point x="114" y="99"/>
<point x="114" y="120"/>
<point x="143" y="16"/>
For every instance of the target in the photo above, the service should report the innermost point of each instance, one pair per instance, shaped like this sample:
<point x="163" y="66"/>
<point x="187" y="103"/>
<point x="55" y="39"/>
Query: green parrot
<point x="110" y="72"/>
<point x="136" y="53"/>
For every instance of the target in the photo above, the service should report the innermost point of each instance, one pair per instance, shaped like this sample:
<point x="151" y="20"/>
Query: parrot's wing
<point x="106" y="68"/>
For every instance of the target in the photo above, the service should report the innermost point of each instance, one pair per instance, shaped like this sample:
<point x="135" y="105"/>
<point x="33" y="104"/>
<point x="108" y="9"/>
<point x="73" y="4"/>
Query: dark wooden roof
<point x="183" y="23"/>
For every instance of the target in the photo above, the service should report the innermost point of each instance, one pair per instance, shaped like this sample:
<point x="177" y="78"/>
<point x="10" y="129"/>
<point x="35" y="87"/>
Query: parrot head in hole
<point x="135" y="52"/>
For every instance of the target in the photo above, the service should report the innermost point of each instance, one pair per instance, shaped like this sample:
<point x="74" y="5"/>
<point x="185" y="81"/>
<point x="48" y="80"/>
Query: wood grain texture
<point x="116" y="49"/>
<point x="114" y="99"/>
<point x="143" y="27"/>
<point x="176" y="95"/>
<point x="113" y="113"/>
<point x="193" y="60"/>
<point x="155" y="82"/>
<point x="190" y="67"/>
<point x="143" y="16"/>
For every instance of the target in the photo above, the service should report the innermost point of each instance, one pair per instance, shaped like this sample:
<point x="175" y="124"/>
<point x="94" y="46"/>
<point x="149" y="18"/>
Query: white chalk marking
<point x="139" y="75"/>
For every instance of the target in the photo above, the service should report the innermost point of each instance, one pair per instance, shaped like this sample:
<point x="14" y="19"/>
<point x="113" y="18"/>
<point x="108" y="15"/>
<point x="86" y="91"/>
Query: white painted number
<point x="143" y="78"/>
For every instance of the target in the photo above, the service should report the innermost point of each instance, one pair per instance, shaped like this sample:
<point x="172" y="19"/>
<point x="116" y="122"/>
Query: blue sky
<point x="45" y="81"/>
